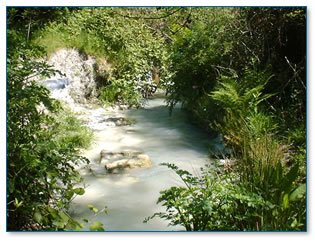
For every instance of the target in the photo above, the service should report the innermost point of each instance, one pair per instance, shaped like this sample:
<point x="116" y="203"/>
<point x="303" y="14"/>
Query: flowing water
<point x="131" y="195"/>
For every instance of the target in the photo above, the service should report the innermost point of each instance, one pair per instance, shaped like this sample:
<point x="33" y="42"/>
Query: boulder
<point x="114" y="161"/>
<point x="140" y="161"/>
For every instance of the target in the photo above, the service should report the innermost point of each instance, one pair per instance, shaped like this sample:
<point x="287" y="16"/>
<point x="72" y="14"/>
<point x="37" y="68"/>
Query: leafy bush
<point x="239" y="100"/>
<point x="212" y="202"/>
<point x="262" y="161"/>
<point x="41" y="175"/>
<point x="209" y="202"/>
<point x="202" y="52"/>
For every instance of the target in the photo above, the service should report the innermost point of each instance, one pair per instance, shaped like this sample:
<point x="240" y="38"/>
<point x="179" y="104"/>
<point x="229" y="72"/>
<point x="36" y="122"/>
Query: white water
<point x="131" y="195"/>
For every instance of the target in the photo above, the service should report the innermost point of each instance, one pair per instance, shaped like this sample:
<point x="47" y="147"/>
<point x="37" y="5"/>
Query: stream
<point x="131" y="195"/>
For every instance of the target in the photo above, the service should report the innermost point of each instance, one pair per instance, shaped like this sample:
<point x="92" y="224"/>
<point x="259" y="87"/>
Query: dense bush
<point x="216" y="201"/>
<point x="199" y="54"/>
<point x="209" y="202"/>
<point x="41" y="175"/>
<point x="262" y="160"/>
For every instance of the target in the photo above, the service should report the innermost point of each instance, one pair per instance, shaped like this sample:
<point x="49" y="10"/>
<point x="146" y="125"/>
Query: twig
<point x="156" y="30"/>
<point x="296" y="74"/>
<point x="252" y="52"/>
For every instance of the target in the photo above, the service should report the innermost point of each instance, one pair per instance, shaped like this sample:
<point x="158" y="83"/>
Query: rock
<point x="123" y="107"/>
<point x="78" y="68"/>
<point x="140" y="161"/>
<point x="130" y="153"/>
<point x="109" y="109"/>
<point x="114" y="161"/>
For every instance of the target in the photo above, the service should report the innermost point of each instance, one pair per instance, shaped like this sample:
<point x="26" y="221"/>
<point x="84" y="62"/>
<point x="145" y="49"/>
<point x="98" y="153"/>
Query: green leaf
<point x="63" y="216"/>
<point x="59" y="204"/>
<point x="291" y="176"/>
<point x="79" y="191"/>
<point x="17" y="204"/>
<point x="285" y="201"/>
<point x="86" y="220"/>
<point x="96" y="226"/>
<point x="10" y="186"/>
<point x="60" y="224"/>
<point x="37" y="216"/>
<point x="298" y="193"/>
<point x="69" y="195"/>
<point x="92" y="208"/>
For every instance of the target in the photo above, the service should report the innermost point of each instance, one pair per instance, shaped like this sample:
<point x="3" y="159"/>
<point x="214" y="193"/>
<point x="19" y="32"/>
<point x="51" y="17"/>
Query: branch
<point x="156" y="30"/>
<point x="252" y="52"/>
<point x="160" y="17"/>
<point x="296" y="74"/>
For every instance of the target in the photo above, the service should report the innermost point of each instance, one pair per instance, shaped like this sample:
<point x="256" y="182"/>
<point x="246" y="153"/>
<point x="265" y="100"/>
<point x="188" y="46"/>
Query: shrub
<point x="262" y="160"/>
<point x="41" y="175"/>
<point x="209" y="202"/>
<point x="216" y="201"/>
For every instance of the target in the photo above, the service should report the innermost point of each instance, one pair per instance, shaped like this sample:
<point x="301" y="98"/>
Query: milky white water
<point x="132" y="194"/>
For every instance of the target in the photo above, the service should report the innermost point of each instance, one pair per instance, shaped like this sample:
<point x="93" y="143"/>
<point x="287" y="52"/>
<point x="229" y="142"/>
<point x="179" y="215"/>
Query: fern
<point x="242" y="96"/>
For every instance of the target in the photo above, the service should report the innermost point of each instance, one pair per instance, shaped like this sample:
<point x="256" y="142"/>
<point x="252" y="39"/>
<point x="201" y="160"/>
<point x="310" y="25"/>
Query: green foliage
<point x="200" y="53"/>
<point x="212" y="202"/>
<point x="129" y="45"/>
<point x="115" y="93"/>
<point x="278" y="38"/>
<point x="262" y="161"/>
<point x="96" y="226"/>
<point x="69" y="130"/>
<point x="204" y="58"/>
<point x="239" y="101"/>
<point x="41" y="175"/>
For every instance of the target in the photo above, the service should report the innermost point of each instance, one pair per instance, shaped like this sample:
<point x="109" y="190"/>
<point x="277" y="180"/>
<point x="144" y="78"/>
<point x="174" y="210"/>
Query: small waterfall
<point x="77" y="73"/>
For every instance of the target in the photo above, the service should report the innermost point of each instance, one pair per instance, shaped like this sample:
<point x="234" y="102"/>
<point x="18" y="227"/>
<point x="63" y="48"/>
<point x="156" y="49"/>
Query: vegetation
<point x="211" y="201"/>
<point x="42" y="146"/>
<point x="128" y="53"/>
<point x="246" y="90"/>
<point x="238" y="72"/>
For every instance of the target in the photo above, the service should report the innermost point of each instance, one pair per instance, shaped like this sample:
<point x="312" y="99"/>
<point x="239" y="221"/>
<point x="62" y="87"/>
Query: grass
<point x="69" y="131"/>
<point x="54" y="40"/>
